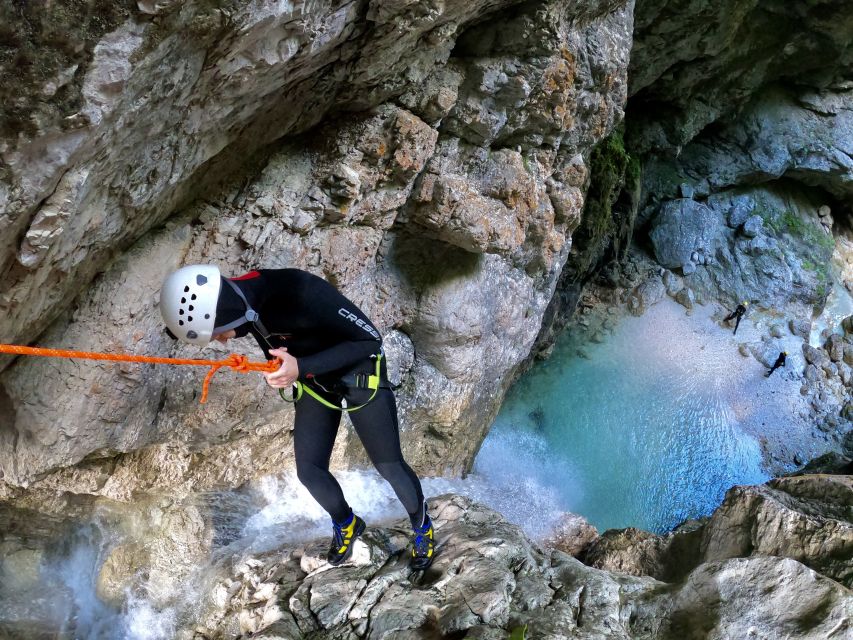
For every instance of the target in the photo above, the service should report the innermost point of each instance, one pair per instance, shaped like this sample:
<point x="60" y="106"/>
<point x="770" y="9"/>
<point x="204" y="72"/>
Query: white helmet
<point x="188" y="302"/>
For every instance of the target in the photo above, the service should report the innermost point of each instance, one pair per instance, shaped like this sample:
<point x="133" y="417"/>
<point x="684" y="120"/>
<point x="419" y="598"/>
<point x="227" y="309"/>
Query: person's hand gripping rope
<point x="287" y="373"/>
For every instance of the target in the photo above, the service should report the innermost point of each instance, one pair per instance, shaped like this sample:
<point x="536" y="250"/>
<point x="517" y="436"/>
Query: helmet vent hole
<point x="191" y="307"/>
<point x="200" y="280"/>
<point x="207" y="316"/>
<point x="192" y="297"/>
<point x="186" y="288"/>
<point x="183" y="300"/>
<point x="181" y="322"/>
<point x="180" y="312"/>
<point x="190" y="318"/>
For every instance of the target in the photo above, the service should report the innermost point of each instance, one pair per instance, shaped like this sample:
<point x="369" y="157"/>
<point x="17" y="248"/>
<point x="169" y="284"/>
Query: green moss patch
<point x="614" y="178"/>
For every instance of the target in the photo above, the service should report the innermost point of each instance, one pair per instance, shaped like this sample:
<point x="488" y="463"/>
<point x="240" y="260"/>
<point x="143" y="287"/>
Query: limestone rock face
<point x="169" y="540"/>
<point x="700" y="62"/>
<point x="752" y="227"/>
<point x="439" y="191"/>
<point x="741" y="113"/>
<point x="163" y="106"/>
<point x="489" y="579"/>
<point x="683" y="228"/>
<point x="807" y="518"/>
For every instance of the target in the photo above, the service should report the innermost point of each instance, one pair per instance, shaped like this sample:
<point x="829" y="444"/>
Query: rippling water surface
<point x="650" y="430"/>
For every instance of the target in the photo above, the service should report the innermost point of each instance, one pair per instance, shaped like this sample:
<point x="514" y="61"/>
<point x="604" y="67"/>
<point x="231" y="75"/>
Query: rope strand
<point x="235" y="361"/>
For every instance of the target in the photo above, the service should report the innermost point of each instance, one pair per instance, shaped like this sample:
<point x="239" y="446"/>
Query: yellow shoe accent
<point x="342" y="539"/>
<point x="423" y="547"/>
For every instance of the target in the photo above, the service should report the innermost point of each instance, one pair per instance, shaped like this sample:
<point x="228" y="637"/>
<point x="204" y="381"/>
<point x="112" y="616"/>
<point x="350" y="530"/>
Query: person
<point x="737" y="314"/>
<point x="330" y="349"/>
<point x="780" y="362"/>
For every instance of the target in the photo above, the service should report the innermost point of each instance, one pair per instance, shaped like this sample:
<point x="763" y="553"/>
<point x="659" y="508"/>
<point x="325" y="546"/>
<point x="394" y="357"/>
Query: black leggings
<point x="376" y="424"/>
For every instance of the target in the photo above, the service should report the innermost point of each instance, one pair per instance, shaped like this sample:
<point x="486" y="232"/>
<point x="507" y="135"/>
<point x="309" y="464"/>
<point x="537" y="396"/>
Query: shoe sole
<point x="360" y="528"/>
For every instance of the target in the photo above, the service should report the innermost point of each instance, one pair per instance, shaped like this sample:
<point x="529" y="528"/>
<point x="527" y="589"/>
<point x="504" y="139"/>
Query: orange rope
<point x="236" y="361"/>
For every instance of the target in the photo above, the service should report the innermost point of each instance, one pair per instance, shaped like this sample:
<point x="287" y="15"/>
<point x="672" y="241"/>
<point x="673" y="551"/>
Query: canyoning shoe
<point x="423" y="547"/>
<point x="343" y="537"/>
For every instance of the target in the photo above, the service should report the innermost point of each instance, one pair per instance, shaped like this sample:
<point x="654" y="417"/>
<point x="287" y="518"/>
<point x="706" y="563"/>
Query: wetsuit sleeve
<point x="356" y="342"/>
<point x="332" y="313"/>
<point x="338" y="357"/>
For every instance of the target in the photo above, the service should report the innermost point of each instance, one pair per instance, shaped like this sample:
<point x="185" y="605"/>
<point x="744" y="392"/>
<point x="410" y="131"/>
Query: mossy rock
<point x="614" y="178"/>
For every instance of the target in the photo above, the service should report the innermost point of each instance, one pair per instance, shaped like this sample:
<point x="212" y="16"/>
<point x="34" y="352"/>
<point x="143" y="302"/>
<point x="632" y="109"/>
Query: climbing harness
<point x="358" y="380"/>
<point x="237" y="362"/>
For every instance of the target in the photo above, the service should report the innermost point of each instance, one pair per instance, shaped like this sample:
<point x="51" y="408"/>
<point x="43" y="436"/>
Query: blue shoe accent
<point x="423" y="546"/>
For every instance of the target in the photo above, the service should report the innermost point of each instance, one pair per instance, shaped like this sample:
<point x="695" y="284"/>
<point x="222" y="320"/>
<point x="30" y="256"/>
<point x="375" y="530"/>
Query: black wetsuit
<point x="780" y="362"/>
<point x="738" y="314"/>
<point x="331" y="340"/>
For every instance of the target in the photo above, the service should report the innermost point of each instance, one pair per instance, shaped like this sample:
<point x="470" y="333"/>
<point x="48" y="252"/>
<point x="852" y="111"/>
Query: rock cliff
<point x="772" y="560"/>
<point x="445" y="165"/>
<point x="489" y="580"/>
<point x="427" y="158"/>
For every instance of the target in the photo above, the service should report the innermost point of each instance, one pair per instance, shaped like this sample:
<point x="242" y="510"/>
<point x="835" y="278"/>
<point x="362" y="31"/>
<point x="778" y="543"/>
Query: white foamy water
<point x="144" y="622"/>
<point x="70" y="580"/>
<point x="288" y="513"/>
<point x="275" y="512"/>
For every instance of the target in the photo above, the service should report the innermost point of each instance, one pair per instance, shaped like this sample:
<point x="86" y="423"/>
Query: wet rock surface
<point x="773" y="558"/>
<point x="808" y="518"/>
<point x="488" y="579"/>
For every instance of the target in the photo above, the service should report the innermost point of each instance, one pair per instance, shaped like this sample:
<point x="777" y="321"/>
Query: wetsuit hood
<point x="230" y="309"/>
<point x="237" y="312"/>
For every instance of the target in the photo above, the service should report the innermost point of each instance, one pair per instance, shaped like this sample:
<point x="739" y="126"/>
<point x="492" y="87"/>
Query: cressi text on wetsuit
<point x="331" y="340"/>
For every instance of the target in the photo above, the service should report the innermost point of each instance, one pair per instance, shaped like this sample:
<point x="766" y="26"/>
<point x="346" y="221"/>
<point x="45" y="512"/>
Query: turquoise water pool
<point x="650" y="430"/>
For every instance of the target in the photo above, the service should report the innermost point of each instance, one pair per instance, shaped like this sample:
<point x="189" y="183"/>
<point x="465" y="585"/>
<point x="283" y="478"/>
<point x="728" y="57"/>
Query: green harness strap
<point x="372" y="383"/>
